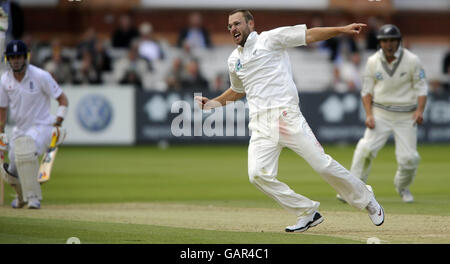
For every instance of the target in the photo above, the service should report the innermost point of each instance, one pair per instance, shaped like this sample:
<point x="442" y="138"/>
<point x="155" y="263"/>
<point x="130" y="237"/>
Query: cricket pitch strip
<point x="355" y="225"/>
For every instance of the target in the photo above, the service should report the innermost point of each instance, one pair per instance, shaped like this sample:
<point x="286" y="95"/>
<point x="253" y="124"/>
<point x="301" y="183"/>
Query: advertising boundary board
<point x="99" y="115"/>
<point x="333" y="117"/>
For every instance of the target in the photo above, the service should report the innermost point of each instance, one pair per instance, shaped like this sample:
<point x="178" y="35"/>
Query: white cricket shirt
<point x="262" y="68"/>
<point x="397" y="84"/>
<point x="28" y="101"/>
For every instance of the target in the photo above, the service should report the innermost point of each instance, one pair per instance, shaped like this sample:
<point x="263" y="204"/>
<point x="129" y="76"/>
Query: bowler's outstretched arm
<point x="324" y="33"/>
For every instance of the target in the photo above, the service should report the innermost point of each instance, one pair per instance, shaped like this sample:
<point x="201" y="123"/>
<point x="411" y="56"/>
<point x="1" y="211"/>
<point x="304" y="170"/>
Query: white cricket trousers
<point x="274" y="129"/>
<point x="402" y="126"/>
<point x="41" y="135"/>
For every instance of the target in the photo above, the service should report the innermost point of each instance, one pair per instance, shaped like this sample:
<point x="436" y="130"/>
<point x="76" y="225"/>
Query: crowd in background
<point x="132" y="53"/>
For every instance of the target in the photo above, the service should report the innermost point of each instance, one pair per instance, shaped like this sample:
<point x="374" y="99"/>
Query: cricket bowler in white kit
<point x="394" y="97"/>
<point x="26" y="91"/>
<point x="260" y="69"/>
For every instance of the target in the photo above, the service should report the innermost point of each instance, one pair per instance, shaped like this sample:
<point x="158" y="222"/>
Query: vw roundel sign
<point x="94" y="112"/>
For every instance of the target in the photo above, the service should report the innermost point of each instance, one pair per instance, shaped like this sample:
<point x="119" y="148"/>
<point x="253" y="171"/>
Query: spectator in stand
<point x="195" y="35"/>
<point x="436" y="87"/>
<point x="350" y="74"/>
<point x="55" y="47"/>
<point x="85" y="72"/>
<point x="88" y="42"/>
<point x="173" y="80"/>
<point x="193" y="79"/>
<point x="341" y="46"/>
<point x="125" y="33"/>
<point x="131" y="68"/>
<point x="186" y="53"/>
<point x="373" y="25"/>
<point x="221" y="82"/>
<point x="32" y="45"/>
<point x="132" y="77"/>
<point x="149" y="48"/>
<point x="59" y="67"/>
<point x="446" y="72"/>
<point x="100" y="58"/>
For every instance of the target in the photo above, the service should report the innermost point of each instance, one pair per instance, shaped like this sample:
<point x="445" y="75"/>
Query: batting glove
<point x="60" y="133"/>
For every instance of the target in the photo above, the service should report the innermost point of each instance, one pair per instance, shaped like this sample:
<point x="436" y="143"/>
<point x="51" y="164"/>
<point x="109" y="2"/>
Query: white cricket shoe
<point x="16" y="203"/>
<point x="406" y="195"/>
<point x="306" y="222"/>
<point x="339" y="197"/>
<point x="376" y="212"/>
<point x="34" y="204"/>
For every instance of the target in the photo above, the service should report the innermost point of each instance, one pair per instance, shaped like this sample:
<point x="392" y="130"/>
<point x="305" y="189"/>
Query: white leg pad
<point x="27" y="167"/>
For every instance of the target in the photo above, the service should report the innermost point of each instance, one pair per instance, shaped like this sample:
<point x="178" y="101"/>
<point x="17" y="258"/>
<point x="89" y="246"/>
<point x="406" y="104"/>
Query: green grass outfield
<point x="145" y="194"/>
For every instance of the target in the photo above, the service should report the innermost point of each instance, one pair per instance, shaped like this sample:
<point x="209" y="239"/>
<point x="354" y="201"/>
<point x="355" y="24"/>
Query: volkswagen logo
<point x="94" y="112"/>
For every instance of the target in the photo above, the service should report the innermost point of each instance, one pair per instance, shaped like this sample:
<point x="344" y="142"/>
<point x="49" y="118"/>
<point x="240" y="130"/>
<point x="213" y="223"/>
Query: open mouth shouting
<point x="237" y="37"/>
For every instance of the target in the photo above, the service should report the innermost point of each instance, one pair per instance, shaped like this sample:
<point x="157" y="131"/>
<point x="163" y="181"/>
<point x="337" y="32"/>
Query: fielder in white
<point x="394" y="97"/>
<point x="26" y="91"/>
<point x="260" y="69"/>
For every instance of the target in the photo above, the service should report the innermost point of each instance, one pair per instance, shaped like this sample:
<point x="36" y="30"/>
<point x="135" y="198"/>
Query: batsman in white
<point x="394" y="95"/>
<point x="260" y="69"/>
<point x="26" y="91"/>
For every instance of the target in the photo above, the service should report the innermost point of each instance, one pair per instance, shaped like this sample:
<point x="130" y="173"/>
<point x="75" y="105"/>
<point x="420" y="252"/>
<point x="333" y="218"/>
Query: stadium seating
<point x="311" y="68"/>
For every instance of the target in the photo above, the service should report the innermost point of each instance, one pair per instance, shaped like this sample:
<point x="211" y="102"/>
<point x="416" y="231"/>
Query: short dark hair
<point x="247" y="15"/>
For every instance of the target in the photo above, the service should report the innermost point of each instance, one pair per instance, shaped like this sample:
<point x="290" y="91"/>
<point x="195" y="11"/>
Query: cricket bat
<point x="47" y="161"/>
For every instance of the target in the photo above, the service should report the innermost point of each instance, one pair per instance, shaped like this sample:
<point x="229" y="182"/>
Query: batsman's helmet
<point x="16" y="47"/>
<point x="389" y="31"/>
